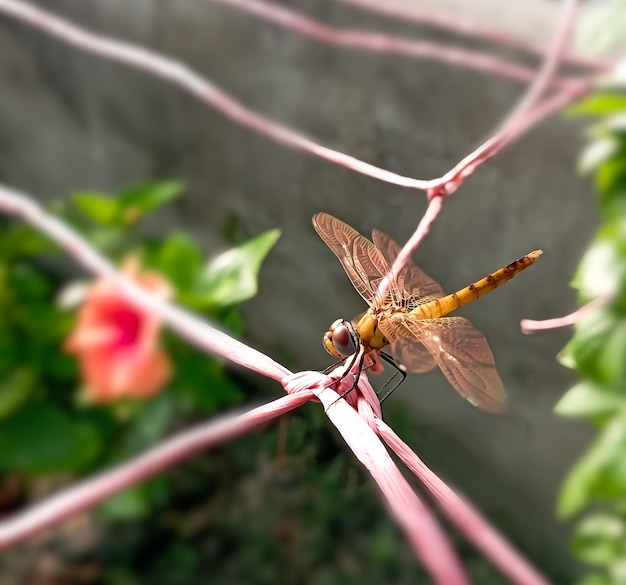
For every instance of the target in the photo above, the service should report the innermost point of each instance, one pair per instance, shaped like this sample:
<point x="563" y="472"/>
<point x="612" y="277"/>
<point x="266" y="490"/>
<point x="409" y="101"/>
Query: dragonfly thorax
<point x="369" y="333"/>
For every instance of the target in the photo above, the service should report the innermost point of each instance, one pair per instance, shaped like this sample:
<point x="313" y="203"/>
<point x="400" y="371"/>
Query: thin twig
<point x="384" y="43"/>
<point x="206" y="91"/>
<point x="89" y="493"/>
<point x="457" y="25"/>
<point x="531" y="326"/>
<point x="523" y="115"/>
<point x="178" y="73"/>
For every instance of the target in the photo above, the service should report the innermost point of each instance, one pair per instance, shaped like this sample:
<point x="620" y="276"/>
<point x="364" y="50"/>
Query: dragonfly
<point x="410" y="319"/>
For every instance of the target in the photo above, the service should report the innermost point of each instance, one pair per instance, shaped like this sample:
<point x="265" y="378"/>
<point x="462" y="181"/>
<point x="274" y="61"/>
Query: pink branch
<point x="416" y="520"/>
<point x="530" y="326"/>
<point x="434" y="207"/>
<point x="515" y="123"/>
<point x="215" y="97"/>
<point x="186" y="324"/>
<point x="458" y="26"/>
<point x="465" y="517"/>
<point x="382" y="43"/>
<point x="523" y="116"/>
<point x="89" y="493"/>
<point x="207" y="92"/>
<point x="426" y="536"/>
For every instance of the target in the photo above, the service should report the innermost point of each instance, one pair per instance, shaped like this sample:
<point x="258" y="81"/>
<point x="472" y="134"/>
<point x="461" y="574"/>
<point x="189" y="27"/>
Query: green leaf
<point x="597" y="152"/>
<point x="15" y="389"/>
<point x="129" y="207"/>
<point x="106" y="238"/>
<point x="600" y="539"/>
<point x="599" y="104"/>
<point x="232" y="277"/>
<point x="140" y="200"/>
<point x="43" y="439"/>
<point x="589" y="399"/>
<point x="150" y="423"/>
<point x="204" y="385"/>
<point x="178" y="259"/>
<point x="600" y="473"/>
<point x="20" y="240"/>
<point x="595" y="579"/>
<point x="137" y="501"/>
<point x="602" y="270"/>
<point x="130" y="504"/>
<point x="611" y="183"/>
<point x="103" y="209"/>
<point x="598" y="346"/>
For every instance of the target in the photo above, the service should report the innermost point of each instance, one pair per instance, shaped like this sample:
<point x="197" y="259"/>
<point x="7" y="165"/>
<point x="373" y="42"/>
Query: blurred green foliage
<point x="46" y="427"/>
<point x="597" y="482"/>
<point x="285" y="504"/>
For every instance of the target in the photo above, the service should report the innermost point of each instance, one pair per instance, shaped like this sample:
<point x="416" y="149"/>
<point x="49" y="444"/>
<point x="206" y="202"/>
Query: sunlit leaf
<point x="599" y="104"/>
<point x="130" y="206"/>
<point x="232" y="277"/>
<point x="597" y="152"/>
<point x="598" y="346"/>
<point x="140" y="200"/>
<point x="602" y="270"/>
<point x="600" y="539"/>
<point x="600" y="473"/>
<point x="589" y="399"/>
<point x="101" y="208"/>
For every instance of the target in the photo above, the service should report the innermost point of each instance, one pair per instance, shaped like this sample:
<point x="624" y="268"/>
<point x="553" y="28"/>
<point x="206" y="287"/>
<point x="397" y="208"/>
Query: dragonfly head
<point x="342" y="339"/>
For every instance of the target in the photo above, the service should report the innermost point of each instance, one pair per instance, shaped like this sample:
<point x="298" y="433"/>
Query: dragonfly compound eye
<point x="343" y="338"/>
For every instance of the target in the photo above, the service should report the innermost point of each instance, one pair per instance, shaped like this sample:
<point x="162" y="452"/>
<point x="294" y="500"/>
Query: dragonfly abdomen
<point x="436" y="308"/>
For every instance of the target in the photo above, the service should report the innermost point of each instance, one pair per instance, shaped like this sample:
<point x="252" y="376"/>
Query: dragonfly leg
<point x="330" y="368"/>
<point x="345" y="373"/>
<point x="358" y="373"/>
<point x="399" y="370"/>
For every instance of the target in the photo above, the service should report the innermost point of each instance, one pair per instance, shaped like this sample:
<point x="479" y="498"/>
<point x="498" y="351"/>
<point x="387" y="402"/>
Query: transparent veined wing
<point x="405" y="348"/>
<point x="410" y="281"/>
<point x="461" y="352"/>
<point x="363" y="262"/>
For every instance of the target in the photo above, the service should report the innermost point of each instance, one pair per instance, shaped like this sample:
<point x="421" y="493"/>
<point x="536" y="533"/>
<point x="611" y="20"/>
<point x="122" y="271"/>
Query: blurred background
<point x="287" y="504"/>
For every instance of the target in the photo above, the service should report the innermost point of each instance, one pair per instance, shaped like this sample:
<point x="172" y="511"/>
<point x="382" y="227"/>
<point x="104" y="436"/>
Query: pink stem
<point x="456" y="25"/>
<point x="194" y="83"/>
<point x="515" y="122"/>
<point x="530" y="326"/>
<point x="382" y="43"/>
<point x="90" y="492"/>
<point x="215" y="97"/>
<point x="434" y="207"/>
<point x="412" y="515"/>
<point x="465" y="517"/>
<point x="525" y="114"/>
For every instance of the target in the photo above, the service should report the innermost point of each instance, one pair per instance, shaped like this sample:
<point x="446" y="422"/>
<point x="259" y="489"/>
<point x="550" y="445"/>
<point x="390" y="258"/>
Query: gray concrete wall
<point x="68" y="120"/>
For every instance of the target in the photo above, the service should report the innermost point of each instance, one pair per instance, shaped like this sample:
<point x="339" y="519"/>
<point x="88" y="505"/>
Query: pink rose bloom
<point x="117" y="344"/>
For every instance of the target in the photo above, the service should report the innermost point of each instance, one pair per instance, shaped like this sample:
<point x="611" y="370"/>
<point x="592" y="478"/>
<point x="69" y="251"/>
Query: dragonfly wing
<point x="410" y="278"/>
<point x="406" y="349"/>
<point x="363" y="262"/>
<point x="465" y="358"/>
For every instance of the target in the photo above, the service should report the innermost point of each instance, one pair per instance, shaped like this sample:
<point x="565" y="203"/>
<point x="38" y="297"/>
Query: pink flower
<point x="116" y="344"/>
